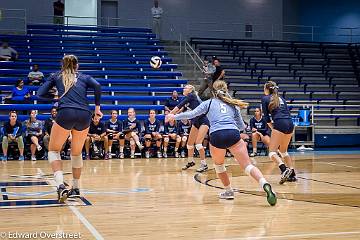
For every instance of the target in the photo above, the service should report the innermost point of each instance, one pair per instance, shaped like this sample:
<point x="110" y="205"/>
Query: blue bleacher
<point x="117" y="57"/>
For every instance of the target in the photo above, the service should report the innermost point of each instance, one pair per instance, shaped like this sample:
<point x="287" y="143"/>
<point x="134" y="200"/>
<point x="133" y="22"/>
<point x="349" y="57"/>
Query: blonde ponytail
<point x="220" y="91"/>
<point x="68" y="72"/>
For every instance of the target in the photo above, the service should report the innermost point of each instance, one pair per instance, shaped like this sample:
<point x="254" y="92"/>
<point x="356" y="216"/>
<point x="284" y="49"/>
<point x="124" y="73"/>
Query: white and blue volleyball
<point x="155" y="62"/>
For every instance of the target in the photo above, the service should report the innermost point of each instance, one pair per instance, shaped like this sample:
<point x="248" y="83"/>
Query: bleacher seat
<point x="307" y="72"/>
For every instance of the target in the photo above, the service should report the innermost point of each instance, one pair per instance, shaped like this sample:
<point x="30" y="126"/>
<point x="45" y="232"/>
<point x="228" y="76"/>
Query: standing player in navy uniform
<point x="199" y="129"/>
<point x="152" y="132"/>
<point x="114" y="128"/>
<point x="282" y="129"/>
<point x="73" y="116"/>
<point x="132" y="127"/>
<point x="259" y="131"/>
<point x="225" y="124"/>
<point x="171" y="133"/>
<point x="184" y="127"/>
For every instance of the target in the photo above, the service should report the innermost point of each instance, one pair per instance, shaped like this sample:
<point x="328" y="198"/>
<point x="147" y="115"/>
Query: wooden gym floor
<point x="154" y="199"/>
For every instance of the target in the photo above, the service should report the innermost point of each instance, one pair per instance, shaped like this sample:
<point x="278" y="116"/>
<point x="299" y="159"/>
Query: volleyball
<point x="155" y="62"/>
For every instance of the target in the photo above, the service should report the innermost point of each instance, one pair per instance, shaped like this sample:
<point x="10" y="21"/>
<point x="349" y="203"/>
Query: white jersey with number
<point x="220" y="114"/>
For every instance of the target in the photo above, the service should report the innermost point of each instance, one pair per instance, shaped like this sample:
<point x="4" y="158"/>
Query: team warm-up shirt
<point x="97" y="129"/>
<point x="221" y="115"/>
<point x="282" y="112"/>
<point x="116" y="126"/>
<point x="128" y="123"/>
<point x="151" y="127"/>
<point x="260" y="125"/>
<point x="184" y="128"/>
<point x="169" y="128"/>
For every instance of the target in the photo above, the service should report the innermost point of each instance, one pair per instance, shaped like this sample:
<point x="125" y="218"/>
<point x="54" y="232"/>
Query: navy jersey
<point x="220" y="114"/>
<point x="191" y="101"/>
<point x="15" y="130"/>
<point x="282" y="112"/>
<point x="116" y="126"/>
<point x="127" y="123"/>
<point x="76" y="97"/>
<point x="151" y="127"/>
<point x="168" y="128"/>
<point x="184" y="128"/>
<point x="97" y="129"/>
<point x="260" y="125"/>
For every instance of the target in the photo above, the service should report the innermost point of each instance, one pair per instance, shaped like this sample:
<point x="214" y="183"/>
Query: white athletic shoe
<point x="228" y="195"/>
<point x="202" y="168"/>
<point x="147" y="154"/>
<point x="159" y="155"/>
<point x="121" y="155"/>
<point x="38" y="147"/>
<point x="33" y="158"/>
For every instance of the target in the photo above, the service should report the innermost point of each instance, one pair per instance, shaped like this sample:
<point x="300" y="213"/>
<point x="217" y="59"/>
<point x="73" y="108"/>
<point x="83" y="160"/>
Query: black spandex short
<point x="224" y="138"/>
<point x="285" y="125"/>
<point x="202" y="120"/>
<point x="73" y="118"/>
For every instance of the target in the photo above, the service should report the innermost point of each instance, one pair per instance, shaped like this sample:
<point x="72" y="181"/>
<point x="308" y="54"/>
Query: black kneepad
<point x="110" y="136"/>
<point x="122" y="136"/>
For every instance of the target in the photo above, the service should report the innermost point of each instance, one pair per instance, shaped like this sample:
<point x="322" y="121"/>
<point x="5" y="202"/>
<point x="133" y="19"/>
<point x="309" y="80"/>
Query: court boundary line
<point x="259" y="194"/>
<point x="79" y="215"/>
<point x="292" y="236"/>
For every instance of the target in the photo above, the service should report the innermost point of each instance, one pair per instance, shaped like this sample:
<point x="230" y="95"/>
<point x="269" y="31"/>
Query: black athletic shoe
<point x="63" y="193"/>
<point x="74" y="193"/>
<point x="188" y="165"/>
<point x="285" y="175"/>
<point x="292" y="177"/>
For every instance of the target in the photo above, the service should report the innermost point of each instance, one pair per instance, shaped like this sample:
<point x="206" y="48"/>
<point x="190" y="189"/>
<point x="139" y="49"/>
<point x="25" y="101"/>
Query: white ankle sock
<point x="262" y="182"/>
<point x="59" y="178"/>
<point x="75" y="183"/>
<point x="228" y="188"/>
<point x="203" y="162"/>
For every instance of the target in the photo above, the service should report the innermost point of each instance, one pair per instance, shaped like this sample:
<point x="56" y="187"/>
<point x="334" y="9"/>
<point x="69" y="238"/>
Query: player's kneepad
<point x="184" y="139"/>
<point x="166" y="139"/>
<point x="110" y="136"/>
<point x="53" y="156"/>
<point x="121" y="136"/>
<point x="199" y="146"/>
<point x="220" y="168"/>
<point x="76" y="161"/>
<point x="271" y="154"/>
<point x="248" y="169"/>
<point x="190" y="147"/>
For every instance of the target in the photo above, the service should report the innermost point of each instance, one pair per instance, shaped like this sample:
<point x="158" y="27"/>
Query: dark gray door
<point x="109" y="13"/>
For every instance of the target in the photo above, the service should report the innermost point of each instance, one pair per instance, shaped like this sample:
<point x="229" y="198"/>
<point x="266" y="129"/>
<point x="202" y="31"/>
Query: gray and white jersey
<point x="220" y="114"/>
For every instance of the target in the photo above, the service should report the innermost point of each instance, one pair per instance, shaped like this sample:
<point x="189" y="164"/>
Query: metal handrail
<point x="189" y="50"/>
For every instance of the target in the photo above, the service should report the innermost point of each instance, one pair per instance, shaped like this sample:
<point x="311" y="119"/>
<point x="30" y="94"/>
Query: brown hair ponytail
<point x="273" y="90"/>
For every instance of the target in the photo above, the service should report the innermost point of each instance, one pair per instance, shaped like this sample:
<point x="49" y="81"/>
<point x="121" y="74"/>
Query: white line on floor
<point x="81" y="217"/>
<point x="294" y="236"/>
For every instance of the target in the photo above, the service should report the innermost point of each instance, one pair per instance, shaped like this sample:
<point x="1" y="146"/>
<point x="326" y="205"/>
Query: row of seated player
<point x="102" y="135"/>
